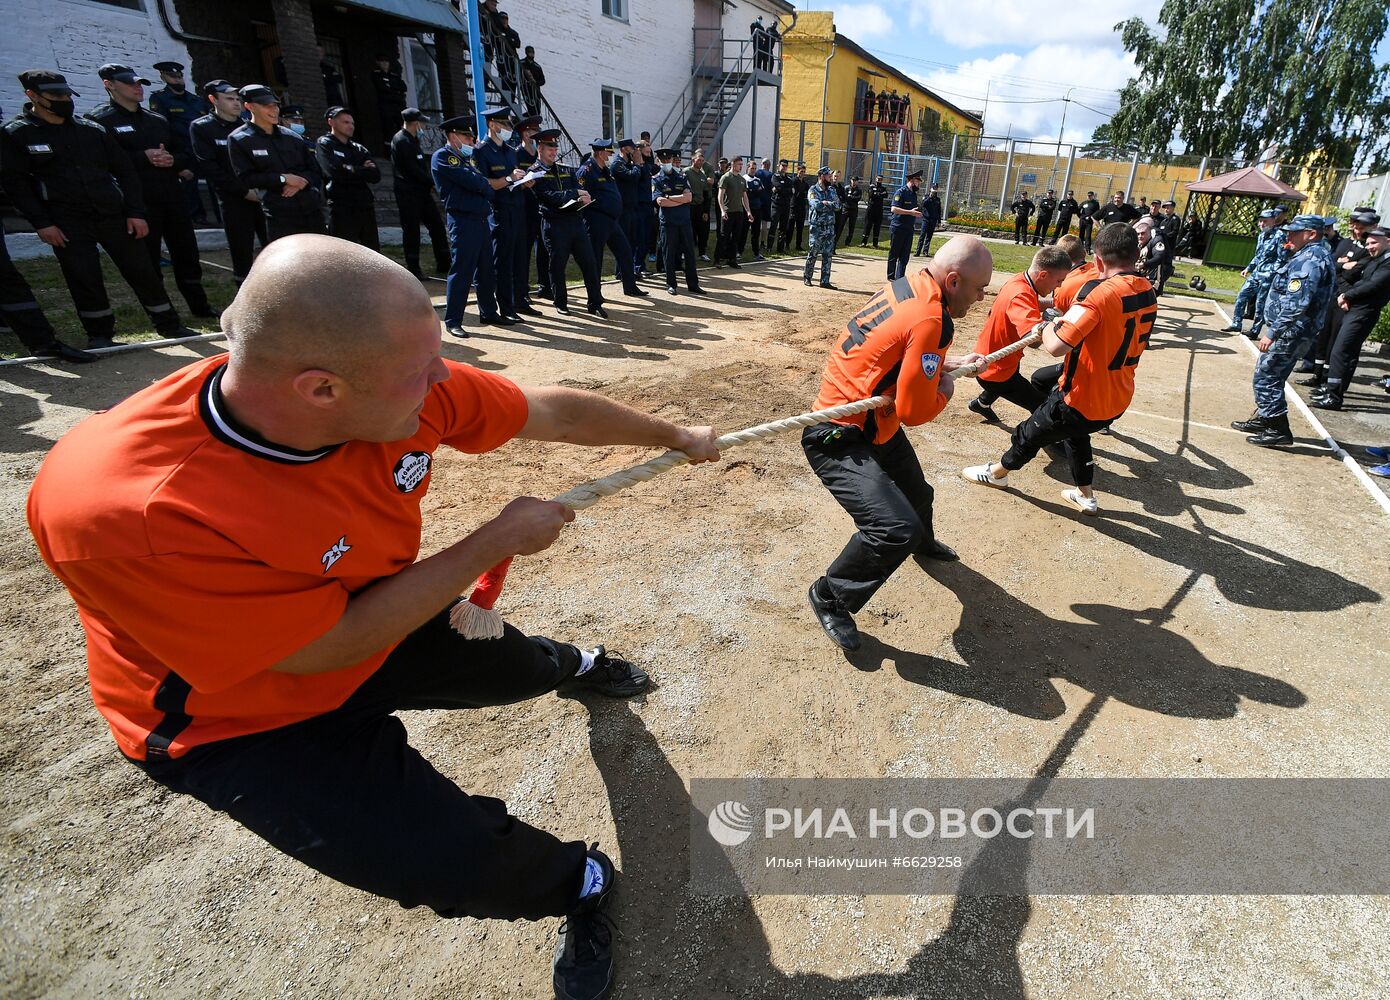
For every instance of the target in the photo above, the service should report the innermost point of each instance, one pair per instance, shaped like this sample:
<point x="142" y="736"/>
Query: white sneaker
<point x="1083" y="503"/>
<point x="980" y="474"/>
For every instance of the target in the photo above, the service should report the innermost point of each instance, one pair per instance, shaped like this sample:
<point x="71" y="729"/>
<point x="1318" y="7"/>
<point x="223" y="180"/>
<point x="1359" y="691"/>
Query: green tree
<point x="1103" y="146"/>
<point x="1237" y="77"/>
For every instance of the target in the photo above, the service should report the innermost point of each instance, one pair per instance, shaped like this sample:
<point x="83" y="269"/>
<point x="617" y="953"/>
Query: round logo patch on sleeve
<point x="411" y="470"/>
<point x="1295" y="284"/>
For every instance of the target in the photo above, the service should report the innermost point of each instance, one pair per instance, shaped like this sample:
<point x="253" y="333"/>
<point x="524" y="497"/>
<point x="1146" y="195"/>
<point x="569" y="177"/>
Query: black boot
<point x="1276" y="433"/>
<point x="1326" y="400"/>
<point x="1253" y="424"/>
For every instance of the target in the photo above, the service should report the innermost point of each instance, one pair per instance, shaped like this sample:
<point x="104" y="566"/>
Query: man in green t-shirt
<point x="701" y="178"/>
<point x="733" y="211"/>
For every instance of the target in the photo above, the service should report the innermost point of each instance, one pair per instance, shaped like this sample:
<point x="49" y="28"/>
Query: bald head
<point x="963" y="267"/>
<point x="316" y="302"/>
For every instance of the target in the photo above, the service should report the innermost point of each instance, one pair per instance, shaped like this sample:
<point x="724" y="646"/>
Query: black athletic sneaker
<point x="610" y="675"/>
<point x="583" y="968"/>
<point x="983" y="409"/>
<point x="837" y="622"/>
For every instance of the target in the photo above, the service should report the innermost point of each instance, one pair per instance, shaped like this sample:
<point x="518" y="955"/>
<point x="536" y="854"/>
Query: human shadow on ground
<point x="1013" y="653"/>
<point x="1157" y="477"/>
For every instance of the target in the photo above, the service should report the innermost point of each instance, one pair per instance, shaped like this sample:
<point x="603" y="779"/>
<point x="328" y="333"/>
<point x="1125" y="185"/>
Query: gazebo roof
<point x="1250" y="182"/>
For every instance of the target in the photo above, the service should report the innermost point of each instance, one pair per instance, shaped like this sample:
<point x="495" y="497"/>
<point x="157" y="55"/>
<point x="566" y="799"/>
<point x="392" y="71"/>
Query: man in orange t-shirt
<point x="1082" y="272"/>
<point x="1016" y="310"/>
<point x="895" y="346"/>
<point x="1102" y="335"/>
<point x="241" y="541"/>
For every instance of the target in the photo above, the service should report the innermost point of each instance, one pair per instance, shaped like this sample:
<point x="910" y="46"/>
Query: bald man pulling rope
<point x="255" y="612"/>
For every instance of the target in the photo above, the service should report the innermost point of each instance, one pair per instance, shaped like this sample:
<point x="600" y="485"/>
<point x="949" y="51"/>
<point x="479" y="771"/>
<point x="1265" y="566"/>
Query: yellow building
<point x="825" y="77"/>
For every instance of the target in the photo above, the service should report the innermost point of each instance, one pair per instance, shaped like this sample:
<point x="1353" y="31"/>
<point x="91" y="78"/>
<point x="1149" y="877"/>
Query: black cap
<point x="292" y="111"/>
<point x="462" y="124"/>
<point x="46" y="82"/>
<point x="626" y="144"/>
<point x="530" y="121"/>
<point x="121" y="74"/>
<point x="217" y="87"/>
<point x="498" y="113"/>
<point x="782" y="163"/>
<point x="1365" y="217"/>
<point x="856" y="177"/>
<point x="550" y="135"/>
<point x="601" y="145"/>
<point x="169" y="66"/>
<point x="1169" y="204"/>
<point x="665" y="153"/>
<point x="258" y="93"/>
<point x="412" y="115"/>
<point x="916" y="175"/>
<point x="1380" y="231"/>
<point x="336" y="110"/>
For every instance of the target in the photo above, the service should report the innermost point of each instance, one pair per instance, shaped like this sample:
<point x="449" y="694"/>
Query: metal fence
<point x="981" y="175"/>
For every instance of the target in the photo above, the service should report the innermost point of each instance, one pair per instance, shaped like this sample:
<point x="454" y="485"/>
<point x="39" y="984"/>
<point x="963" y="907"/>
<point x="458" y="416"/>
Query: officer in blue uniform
<point x="467" y="198"/>
<point x="903" y="224"/>
<point x="1259" y="273"/>
<point x="672" y="193"/>
<point x="181" y="109"/>
<point x="524" y="142"/>
<point x="1294" y="309"/>
<point x="634" y="179"/>
<point x="562" y="225"/>
<point x="496" y="160"/>
<point x="604" y="217"/>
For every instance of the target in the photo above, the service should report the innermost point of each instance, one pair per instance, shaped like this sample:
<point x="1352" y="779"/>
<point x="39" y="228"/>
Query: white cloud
<point x="994" y="22"/>
<point x="863" y="20"/>
<point x="1054" y="68"/>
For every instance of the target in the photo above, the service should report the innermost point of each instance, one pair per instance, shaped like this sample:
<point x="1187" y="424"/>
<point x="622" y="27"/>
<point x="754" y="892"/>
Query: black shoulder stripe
<point x="1087" y="289"/>
<point x="902" y="289"/>
<point x="1137" y="301"/>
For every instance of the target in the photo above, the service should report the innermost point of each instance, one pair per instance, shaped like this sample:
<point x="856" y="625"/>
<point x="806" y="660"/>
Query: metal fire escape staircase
<point x="726" y="71"/>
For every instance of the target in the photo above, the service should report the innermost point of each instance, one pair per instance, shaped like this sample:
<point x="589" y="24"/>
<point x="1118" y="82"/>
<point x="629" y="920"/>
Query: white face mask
<point x="297" y="128"/>
<point x="504" y="134"/>
<point x="465" y="150"/>
<point x="667" y="168"/>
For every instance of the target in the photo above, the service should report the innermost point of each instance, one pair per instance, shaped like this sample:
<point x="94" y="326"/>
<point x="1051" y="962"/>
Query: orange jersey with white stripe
<point x="895" y="346"/>
<point x="1108" y="327"/>
<point x="1065" y="294"/>
<point x="1015" y="311"/>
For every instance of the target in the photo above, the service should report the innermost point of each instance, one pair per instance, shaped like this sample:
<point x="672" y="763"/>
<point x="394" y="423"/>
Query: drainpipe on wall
<point x="825" y="91"/>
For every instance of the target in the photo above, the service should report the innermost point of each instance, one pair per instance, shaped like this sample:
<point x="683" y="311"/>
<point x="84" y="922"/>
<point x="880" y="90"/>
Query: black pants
<point x="851" y="218"/>
<point x="510" y="252"/>
<point x="735" y="231"/>
<point x="1016" y="389"/>
<point x="563" y="239"/>
<point x="699" y="224"/>
<point x="606" y="231"/>
<point x="1357" y="324"/>
<point x="1054" y="422"/>
<point x="635" y="224"/>
<point x="680" y="241"/>
<point x="417" y="208"/>
<point x="347" y="795"/>
<point x="81" y="266"/>
<point x="19" y="308"/>
<point x="899" y="250"/>
<point x="882" y="487"/>
<point x="1041" y="226"/>
<point x="1321" y="351"/>
<point x="358" y="224"/>
<point x="1062" y="228"/>
<point x="755" y="228"/>
<point x="1044" y="380"/>
<point x="244" y="223"/>
<point x="280" y="224"/>
<point x="873" y="225"/>
<point x="170" y="225"/>
<point x="782" y="226"/>
<point x="1085" y="231"/>
<point x="800" y="218"/>
<point x="1020" y="229"/>
<point x="924" y="238"/>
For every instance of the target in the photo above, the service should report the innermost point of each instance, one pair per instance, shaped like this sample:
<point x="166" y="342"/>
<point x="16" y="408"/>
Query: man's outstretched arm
<point x="578" y="417"/>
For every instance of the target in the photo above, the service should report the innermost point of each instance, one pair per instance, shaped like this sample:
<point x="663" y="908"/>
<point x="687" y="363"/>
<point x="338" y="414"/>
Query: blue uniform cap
<point x="1329" y="220"/>
<point x="916" y="175"/>
<point x="292" y="111"/>
<point x="598" y="145"/>
<point x="463" y="124"/>
<point x="822" y="171"/>
<point x="625" y="143"/>
<point x="1302" y="222"/>
<point x="169" y="66"/>
<point x="1271" y="213"/>
<point x="491" y="113"/>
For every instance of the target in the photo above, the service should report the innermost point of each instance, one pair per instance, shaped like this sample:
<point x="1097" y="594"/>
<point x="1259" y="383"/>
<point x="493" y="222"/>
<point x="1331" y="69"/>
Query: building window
<point x="615" y="9"/>
<point x="615" y="113"/>
<point x="123" y="4"/>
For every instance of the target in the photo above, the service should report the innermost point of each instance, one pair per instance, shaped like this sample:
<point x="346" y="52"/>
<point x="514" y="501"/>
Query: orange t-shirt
<point x="1065" y="293"/>
<point x="1108" y="326"/>
<point x="1015" y="311"/>
<point x="895" y="347"/>
<point x="200" y="554"/>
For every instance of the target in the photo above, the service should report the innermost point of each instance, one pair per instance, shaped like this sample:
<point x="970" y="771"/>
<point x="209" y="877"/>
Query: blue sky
<point x="1055" y="51"/>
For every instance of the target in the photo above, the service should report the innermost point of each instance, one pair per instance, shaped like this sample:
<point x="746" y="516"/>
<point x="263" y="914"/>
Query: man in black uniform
<point x="179" y="108"/>
<point x="1169" y="224"/>
<point x="1350" y="258"/>
<point x="854" y="194"/>
<point x="783" y="195"/>
<point x="1047" y="208"/>
<point x="1089" y="209"/>
<point x="273" y="161"/>
<point x="562" y="227"/>
<point x="801" y="187"/>
<point x="634" y="179"/>
<point x="1022" y="208"/>
<point x="144" y="137"/>
<point x="390" y="93"/>
<point x="20" y="313"/>
<point x="1066" y="209"/>
<point x="1118" y="210"/>
<point x="242" y="218"/>
<point x="931" y="218"/>
<point x="903" y="224"/>
<point x="523" y="140"/>
<point x="1361" y="304"/>
<point x="604" y="216"/>
<point x="412" y="184"/>
<point x="75" y="186"/>
<point x="349" y="171"/>
<point x="873" y="217"/>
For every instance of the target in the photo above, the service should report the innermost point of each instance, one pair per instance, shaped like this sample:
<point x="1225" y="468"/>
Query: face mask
<point x="503" y="135"/>
<point x="60" y="106"/>
<point x="465" y="150"/>
<point x="667" y="168"/>
<point x="297" y="128"/>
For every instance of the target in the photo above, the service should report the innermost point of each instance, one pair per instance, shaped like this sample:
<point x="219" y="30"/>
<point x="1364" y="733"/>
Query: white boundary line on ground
<point x="121" y="348"/>
<point x="1377" y="494"/>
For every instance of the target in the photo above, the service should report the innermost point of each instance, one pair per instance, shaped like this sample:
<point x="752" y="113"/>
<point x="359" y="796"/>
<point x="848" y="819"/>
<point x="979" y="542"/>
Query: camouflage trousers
<point x="1273" y="370"/>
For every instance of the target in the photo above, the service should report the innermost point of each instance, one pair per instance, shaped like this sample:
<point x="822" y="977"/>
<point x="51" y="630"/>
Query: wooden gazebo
<point x="1229" y="206"/>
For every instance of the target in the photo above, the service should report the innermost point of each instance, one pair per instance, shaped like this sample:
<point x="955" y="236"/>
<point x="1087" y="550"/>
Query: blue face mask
<point x="465" y="150"/>
<point x="297" y="128"/>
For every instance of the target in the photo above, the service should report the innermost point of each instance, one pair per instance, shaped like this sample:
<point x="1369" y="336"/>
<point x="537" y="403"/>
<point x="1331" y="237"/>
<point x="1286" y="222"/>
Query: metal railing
<point x="724" y="69"/>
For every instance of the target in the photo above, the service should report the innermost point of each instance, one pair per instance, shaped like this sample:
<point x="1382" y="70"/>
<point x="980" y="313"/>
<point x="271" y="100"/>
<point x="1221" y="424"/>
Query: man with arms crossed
<point x="255" y="611"/>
